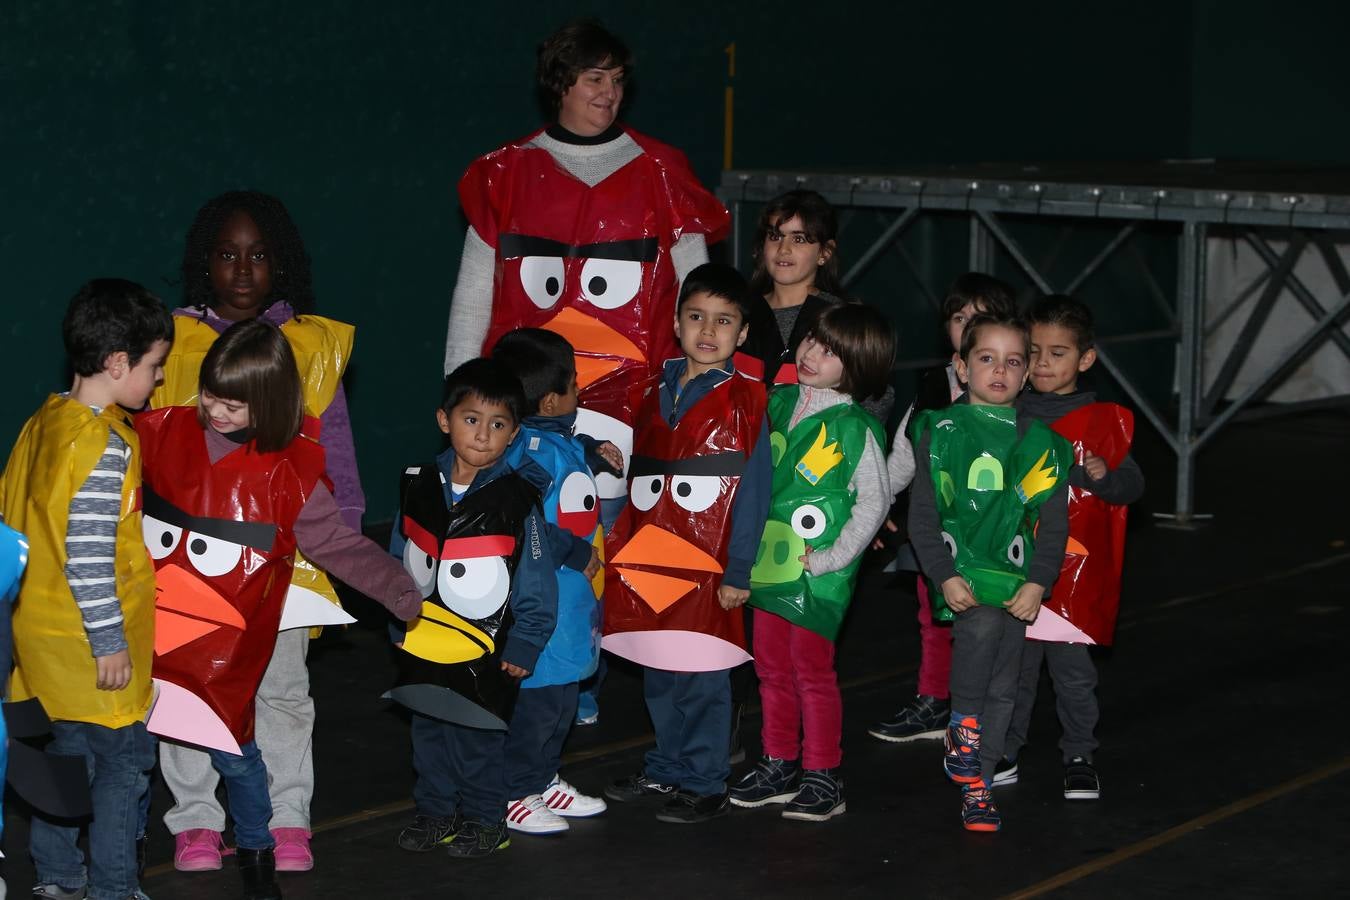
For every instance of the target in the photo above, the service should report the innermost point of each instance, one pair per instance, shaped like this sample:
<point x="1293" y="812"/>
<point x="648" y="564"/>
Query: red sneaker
<point x="292" y="849"/>
<point x="197" y="850"/>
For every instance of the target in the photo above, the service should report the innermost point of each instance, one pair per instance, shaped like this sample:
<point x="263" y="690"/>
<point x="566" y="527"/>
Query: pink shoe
<point x="292" y="850"/>
<point x="197" y="850"/>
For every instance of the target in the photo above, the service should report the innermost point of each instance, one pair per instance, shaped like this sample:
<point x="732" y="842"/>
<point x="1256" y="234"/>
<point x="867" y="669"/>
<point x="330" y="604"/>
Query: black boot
<point x="258" y="868"/>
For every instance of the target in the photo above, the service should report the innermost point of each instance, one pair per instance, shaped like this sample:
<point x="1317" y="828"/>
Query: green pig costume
<point x="811" y="502"/>
<point x="989" y="486"/>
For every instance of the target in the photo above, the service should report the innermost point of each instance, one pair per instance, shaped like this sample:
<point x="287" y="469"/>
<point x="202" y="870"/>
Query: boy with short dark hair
<point x="84" y="621"/>
<point x="988" y="522"/>
<point x="680" y="553"/>
<point x="1085" y="598"/>
<point x="471" y="534"/>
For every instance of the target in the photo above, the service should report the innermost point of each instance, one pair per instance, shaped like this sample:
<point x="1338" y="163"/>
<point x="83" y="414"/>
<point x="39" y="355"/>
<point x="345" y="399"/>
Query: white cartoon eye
<point x="610" y="283"/>
<point x="1017" y="551"/>
<point x="542" y="278"/>
<point x="475" y="587"/>
<point x="646" y="490"/>
<point x="950" y="542"/>
<point x="160" y="537"/>
<point x="695" y="492"/>
<point x="808" y="521"/>
<point x="577" y="494"/>
<point x="421" y="565"/>
<point x="212" y="556"/>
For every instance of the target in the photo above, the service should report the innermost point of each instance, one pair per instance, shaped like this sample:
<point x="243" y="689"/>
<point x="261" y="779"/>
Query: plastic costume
<point x="1083" y="604"/>
<point x="812" y="467"/>
<point x="57" y="450"/>
<point x="592" y="264"/>
<point x="669" y="547"/>
<point x="572" y="503"/>
<point x="462" y="559"/>
<point x="322" y="348"/>
<point x="989" y="485"/>
<point x="222" y="539"/>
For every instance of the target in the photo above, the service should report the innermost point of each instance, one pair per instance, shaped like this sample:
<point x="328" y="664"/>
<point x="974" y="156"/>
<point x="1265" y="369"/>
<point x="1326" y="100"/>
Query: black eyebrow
<point x="728" y="464"/>
<point x="257" y="535"/>
<point x="636" y="250"/>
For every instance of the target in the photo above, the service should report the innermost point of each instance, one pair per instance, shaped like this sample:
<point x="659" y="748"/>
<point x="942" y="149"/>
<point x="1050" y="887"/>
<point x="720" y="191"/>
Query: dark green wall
<point x="118" y="119"/>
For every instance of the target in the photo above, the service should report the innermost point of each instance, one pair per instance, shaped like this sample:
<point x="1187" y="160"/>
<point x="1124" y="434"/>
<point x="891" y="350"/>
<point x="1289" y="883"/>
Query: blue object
<point x="13" y="560"/>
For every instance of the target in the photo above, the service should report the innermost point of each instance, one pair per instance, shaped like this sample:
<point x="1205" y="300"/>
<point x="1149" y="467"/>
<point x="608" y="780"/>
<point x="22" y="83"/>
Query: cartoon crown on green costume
<point x="1037" y="480"/>
<point x="820" y="459"/>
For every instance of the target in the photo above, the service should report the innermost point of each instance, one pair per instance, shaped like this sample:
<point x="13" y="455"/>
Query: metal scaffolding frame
<point x="1304" y="207"/>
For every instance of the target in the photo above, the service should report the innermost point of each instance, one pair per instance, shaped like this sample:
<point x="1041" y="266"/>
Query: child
<point x="680" y="554"/>
<point x="474" y="529"/>
<point x="1088" y="591"/>
<point x="926" y="716"/>
<point x="830" y="490"/>
<point x="988" y="481"/>
<point x="84" y="621"/>
<point x="547" y="454"/>
<point x="244" y="259"/>
<point x="231" y="473"/>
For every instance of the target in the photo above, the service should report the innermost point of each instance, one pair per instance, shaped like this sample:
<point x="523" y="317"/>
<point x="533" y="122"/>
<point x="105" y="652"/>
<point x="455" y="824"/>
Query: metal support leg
<point x="1190" y="312"/>
<point x="981" y="247"/>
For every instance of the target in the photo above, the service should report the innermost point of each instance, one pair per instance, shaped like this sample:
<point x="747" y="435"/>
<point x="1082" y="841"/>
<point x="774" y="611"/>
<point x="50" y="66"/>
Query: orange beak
<point x="600" y="349"/>
<point x="653" y="546"/>
<point x="187" y="608"/>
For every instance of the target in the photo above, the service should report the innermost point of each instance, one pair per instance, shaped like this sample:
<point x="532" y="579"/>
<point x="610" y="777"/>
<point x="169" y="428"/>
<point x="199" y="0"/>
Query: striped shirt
<point x="91" y="548"/>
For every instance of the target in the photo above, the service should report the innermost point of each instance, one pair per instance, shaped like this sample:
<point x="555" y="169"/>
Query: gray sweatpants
<point x="284" y="730"/>
<point x="1075" y="679"/>
<point x="987" y="647"/>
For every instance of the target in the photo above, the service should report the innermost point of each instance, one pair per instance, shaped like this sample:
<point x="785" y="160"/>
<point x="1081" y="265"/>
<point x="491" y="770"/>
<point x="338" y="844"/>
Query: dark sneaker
<point x="924" y="719"/>
<point x="1005" y="772"/>
<point x="637" y="788"/>
<point x="772" y="780"/>
<point x="978" y="812"/>
<point x="475" y="839"/>
<point x="428" y="832"/>
<point x="1080" y="780"/>
<point x="821" y="797"/>
<point x="961" y="760"/>
<point x="685" y="808"/>
<point x="57" y="892"/>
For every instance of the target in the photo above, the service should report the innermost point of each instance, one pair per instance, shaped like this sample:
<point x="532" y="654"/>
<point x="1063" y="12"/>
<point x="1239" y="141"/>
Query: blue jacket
<point x="546" y="454"/>
<point x="534" y="588"/>
<point x="750" y="506"/>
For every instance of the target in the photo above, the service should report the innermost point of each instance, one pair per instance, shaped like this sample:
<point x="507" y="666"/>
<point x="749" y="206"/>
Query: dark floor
<point x="1224" y="742"/>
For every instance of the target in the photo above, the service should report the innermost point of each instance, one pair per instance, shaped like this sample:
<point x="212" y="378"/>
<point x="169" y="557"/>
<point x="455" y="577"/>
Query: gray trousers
<point x="987" y="645"/>
<point x="1075" y="679"/>
<point x="284" y="730"/>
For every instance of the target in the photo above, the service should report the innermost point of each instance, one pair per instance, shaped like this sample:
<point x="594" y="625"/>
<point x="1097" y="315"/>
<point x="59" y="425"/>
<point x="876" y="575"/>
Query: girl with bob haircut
<point x="253" y="366"/>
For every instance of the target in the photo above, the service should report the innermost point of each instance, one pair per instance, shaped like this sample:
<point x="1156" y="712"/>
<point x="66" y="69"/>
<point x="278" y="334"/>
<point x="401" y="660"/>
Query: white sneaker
<point x="532" y="816"/>
<point x="566" y="800"/>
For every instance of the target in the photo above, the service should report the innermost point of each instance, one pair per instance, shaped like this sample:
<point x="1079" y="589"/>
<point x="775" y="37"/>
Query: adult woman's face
<point x="592" y="103"/>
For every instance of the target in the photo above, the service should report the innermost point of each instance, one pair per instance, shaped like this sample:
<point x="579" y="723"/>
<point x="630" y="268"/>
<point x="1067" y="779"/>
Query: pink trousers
<point x="935" y="650"/>
<point x="803" y="713"/>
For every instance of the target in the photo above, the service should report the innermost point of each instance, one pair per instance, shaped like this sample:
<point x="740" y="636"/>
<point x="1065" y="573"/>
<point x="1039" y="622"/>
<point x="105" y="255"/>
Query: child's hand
<point x="805" y="559"/>
<point x="611" y="454"/>
<point x="957" y="594"/>
<point x="730" y="597"/>
<point x="513" y="670"/>
<point x="593" y="566"/>
<point x="877" y="542"/>
<point x="114" y="671"/>
<point x="1026" y="603"/>
<point x="1094" y="466"/>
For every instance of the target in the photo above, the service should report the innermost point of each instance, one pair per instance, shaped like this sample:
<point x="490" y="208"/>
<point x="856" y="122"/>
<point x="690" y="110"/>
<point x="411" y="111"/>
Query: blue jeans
<point x="691" y="713"/>
<point x="458" y="770"/>
<point x="119" y="762"/>
<point x="245" y="780"/>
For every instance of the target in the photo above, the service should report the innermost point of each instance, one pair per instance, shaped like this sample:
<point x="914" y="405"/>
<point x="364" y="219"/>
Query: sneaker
<point x="531" y="815"/>
<point x="588" y="710"/>
<point x="924" y="719"/>
<point x="197" y="850"/>
<point x="56" y="891"/>
<point x="637" y="787"/>
<point x="475" y="839"/>
<point x="428" y="832"/>
<point x="687" y="808"/>
<point x="772" y="780"/>
<point x="1080" y="780"/>
<point x="978" y="812"/>
<point x="1005" y="772"/>
<point x="292" y="849"/>
<point x="821" y="797"/>
<point x="571" y="803"/>
<point x="961" y="759"/>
